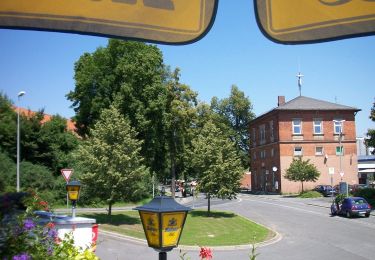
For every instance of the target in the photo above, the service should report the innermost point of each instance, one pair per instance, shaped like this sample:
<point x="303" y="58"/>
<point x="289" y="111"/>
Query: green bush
<point x="368" y="194"/>
<point x="310" y="194"/>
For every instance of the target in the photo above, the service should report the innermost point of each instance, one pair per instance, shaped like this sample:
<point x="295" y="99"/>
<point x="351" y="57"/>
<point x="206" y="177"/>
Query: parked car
<point x="352" y="206"/>
<point x="325" y="190"/>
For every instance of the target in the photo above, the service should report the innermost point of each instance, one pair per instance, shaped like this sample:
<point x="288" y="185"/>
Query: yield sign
<point x="66" y="173"/>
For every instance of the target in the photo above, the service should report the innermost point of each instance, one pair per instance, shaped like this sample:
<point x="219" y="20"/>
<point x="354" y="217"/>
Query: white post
<point x="20" y="94"/>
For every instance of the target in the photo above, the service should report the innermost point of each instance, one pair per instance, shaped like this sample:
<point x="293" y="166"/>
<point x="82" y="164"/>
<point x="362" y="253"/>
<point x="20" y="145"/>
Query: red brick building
<point x="308" y="128"/>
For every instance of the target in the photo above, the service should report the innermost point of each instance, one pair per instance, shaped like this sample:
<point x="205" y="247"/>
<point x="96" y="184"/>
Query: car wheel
<point x="367" y="215"/>
<point x="348" y="215"/>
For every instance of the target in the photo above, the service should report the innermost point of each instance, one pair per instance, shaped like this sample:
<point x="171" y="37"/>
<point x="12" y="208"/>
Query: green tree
<point x="179" y="116"/>
<point x="300" y="170"/>
<point x="113" y="169"/>
<point x="7" y="173"/>
<point x="132" y="76"/>
<point x="55" y="144"/>
<point x="234" y="115"/>
<point x="370" y="140"/>
<point x="215" y="158"/>
<point x="8" y="127"/>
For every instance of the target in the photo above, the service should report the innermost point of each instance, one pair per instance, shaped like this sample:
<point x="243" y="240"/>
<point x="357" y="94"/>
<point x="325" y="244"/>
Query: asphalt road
<point x="306" y="231"/>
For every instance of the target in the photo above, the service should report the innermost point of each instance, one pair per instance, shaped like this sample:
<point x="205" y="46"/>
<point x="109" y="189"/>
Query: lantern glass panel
<point x="172" y="226"/>
<point x="150" y="221"/>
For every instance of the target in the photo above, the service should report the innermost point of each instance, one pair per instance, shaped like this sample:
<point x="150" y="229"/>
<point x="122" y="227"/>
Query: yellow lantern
<point x="163" y="220"/>
<point x="73" y="188"/>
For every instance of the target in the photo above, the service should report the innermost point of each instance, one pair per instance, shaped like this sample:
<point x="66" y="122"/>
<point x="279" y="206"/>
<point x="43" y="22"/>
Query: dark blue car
<point x="354" y="206"/>
<point x="325" y="190"/>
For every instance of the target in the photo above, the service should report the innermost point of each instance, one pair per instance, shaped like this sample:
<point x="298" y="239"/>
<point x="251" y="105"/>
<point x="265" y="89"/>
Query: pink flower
<point x="205" y="253"/>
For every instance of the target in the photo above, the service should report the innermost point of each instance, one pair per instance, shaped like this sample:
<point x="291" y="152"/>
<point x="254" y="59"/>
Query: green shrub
<point x="310" y="194"/>
<point x="368" y="194"/>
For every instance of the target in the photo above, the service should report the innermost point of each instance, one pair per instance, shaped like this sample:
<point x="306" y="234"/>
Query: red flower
<point x="205" y="253"/>
<point x="50" y="225"/>
<point x="43" y="203"/>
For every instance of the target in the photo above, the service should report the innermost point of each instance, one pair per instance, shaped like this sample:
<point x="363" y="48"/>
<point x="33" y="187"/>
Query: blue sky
<point x="233" y="52"/>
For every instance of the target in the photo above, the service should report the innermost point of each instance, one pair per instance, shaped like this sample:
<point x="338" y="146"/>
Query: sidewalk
<point x="180" y="200"/>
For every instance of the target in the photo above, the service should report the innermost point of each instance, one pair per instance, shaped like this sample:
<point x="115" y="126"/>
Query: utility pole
<point x="20" y="94"/>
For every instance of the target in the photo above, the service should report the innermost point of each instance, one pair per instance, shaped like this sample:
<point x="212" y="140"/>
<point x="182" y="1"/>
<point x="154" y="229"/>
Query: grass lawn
<point x="220" y="229"/>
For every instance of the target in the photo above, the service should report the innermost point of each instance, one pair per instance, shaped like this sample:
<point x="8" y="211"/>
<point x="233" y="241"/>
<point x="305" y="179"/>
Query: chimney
<point x="280" y="100"/>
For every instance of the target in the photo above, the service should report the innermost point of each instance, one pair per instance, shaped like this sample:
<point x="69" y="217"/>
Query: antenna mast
<point x="299" y="76"/>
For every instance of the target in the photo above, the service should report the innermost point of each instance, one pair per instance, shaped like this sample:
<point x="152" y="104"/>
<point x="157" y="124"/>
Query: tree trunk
<point x="173" y="163"/>
<point x="302" y="186"/>
<point x="110" y="211"/>
<point x="173" y="174"/>
<point x="208" y="204"/>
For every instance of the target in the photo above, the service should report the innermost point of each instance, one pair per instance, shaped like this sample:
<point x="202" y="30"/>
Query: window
<point x="263" y="154"/>
<point x="271" y="131"/>
<point x="297" y="151"/>
<point x="262" y="132"/>
<point x="318" y="126"/>
<point x="254" y="137"/>
<point x="297" y="126"/>
<point x="254" y="156"/>
<point x="319" y="150"/>
<point x="254" y="173"/>
<point x="339" y="150"/>
<point x="338" y="125"/>
<point x="272" y="152"/>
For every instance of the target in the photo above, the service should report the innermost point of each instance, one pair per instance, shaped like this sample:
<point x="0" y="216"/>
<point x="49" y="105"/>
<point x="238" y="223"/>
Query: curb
<point x="271" y="241"/>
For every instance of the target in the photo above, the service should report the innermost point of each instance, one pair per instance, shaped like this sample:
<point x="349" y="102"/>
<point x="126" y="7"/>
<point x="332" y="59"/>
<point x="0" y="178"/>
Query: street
<point x="306" y="231"/>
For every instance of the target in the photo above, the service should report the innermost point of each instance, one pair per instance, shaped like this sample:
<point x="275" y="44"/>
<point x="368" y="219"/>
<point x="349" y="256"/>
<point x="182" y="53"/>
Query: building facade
<point x="317" y="130"/>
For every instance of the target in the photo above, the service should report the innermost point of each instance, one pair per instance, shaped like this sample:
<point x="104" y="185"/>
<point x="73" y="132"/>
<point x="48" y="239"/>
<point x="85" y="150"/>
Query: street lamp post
<point x="73" y="188"/>
<point x="20" y="94"/>
<point x="341" y="150"/>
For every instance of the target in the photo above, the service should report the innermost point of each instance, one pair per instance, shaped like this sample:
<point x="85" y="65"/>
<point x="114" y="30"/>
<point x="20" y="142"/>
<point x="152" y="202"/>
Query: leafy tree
<point x="39" y="178"/>
<point x="110" y="159"/>
<point x="7" y="173"/>
<point x="8" y="127"/>
<point x="300" y="170"/>
<point x="179" y="116"/>
<point x="215" y="157"/>
<point x="132" y="76"/>
<point x="370" y="140"/>
<point x="55" y="143"/>
<point x="234" y="115"/>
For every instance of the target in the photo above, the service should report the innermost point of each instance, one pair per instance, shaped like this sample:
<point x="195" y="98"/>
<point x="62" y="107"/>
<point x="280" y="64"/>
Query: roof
<point x="27" y="112"/>
<point x="307" y="103"/>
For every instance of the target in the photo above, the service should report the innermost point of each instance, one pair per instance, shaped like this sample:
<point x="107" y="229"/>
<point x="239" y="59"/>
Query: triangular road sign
<point x="66" y="173"/>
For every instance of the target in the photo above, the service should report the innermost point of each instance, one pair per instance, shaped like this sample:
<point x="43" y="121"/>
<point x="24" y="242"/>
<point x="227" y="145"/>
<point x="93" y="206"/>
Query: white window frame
<point x="320" y="125"/>
<point x="294" y="125"/>
<point x="337" y="124"/>
<point x="298" y="153"/>
<point x="319" y="153"/>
